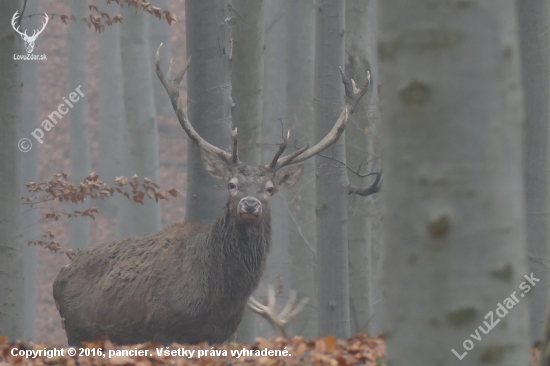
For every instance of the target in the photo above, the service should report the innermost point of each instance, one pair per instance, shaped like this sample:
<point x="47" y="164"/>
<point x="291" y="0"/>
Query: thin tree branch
<point x="23" y="12"/>
<point x="298" y="227"/>
<point x="367" y="191"/>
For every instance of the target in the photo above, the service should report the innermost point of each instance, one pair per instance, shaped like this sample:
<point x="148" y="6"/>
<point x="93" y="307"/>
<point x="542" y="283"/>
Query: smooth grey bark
<point x="81" y="167"/>
<point x="111" y="115"/>
<point x="300" y="200"/>
<point x="159" y="32"/>
<point x="359" y="53"/>
<point x="142" y="149"/>
<point x="11" y="243"/>
<point x="113" y="158"/>
<point x="30" y="173"/>
<point x="278" y="261"/>
<point x="125" y="225"/>
<point x="453" y="186"/>
<point x="332" y="179"/>
<point x="208" y="103"/>
<point x="377" y="322"/>
<point x="534" y="17"/>
<point x="247" y="72"/>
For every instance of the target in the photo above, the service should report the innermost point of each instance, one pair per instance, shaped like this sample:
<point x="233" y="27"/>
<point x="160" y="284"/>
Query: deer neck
<point x="241" y="250"/>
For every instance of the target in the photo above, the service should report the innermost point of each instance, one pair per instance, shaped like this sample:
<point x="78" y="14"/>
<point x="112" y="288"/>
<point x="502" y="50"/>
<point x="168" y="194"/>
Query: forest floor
<point x="359" y="350"/>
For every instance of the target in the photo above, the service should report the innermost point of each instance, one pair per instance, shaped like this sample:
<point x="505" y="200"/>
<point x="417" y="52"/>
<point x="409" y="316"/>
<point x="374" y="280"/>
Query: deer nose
<point x="250" y="205"/>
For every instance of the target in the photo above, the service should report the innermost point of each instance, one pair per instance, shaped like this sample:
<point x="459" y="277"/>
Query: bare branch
<point x="269" y="311"/>
<point x="23" y="11"/>
<point x="356" y="172"/>
<point x="172" y="88"/>
<point x="367" y="191"/>
<point x="361" y="191"/>
<point x="298" y="227"/>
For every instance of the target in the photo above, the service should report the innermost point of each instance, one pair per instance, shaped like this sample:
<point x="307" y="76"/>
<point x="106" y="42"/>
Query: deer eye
<point x="231" y="185"/>
<point x="270" y="190"/>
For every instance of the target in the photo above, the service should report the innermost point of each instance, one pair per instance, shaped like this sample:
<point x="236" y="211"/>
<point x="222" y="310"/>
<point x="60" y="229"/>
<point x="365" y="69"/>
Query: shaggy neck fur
<point x="241" y="251"/>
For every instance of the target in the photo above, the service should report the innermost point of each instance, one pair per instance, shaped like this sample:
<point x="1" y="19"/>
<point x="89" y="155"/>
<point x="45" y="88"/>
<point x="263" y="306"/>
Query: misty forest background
<point x="459" y="100"/>
<point x="275" y="85"/>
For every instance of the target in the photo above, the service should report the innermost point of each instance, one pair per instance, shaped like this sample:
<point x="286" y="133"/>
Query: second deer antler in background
<point x="269" y="312"/>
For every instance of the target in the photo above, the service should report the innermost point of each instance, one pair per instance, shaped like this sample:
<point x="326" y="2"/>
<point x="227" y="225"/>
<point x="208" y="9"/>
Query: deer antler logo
<point x="29" y="40"/>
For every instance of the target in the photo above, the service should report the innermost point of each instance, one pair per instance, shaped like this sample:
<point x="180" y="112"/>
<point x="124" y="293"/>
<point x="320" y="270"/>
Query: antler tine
<point x="172" y="88"/>
<point x="353" y="96"/>
<point x="298" y="309"/>
<point x="289" y="305"/>
<point x="16" y="28"/>
<point x="255" y="305"/>
<point x="46" y="18"/>
<point x="279" y="152"/>
<point x="235" y="147"/>
<point x="271" y="297"/>
<point x="327" y="141"/>
<point x="269" y="311"/>
<point x="289" y="158"/>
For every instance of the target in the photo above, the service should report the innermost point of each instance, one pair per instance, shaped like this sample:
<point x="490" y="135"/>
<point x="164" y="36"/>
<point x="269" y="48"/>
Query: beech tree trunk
<point x="534" y="16"/>
<point x="11" y="244"/>
<point x="332" y="179"/>
<point x="142" y="149"/>
<point x="278" y="261"/>
<point x="81" y="167"/>
<point x="247" y="72"/>
<point x="454" y="221"/>
<point x="359" y="53"/>
<point x="111" y="123"/>
<point x="377" y="322"/>
<point x="208" y="102"/>
<point x="159" y="32"/>
<point x="300" y="199"/>
<point x="30" y="170"/>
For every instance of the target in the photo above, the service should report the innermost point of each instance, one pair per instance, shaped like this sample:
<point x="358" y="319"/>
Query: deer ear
<point x="287" y="176"/>
<point x="216" y="167"/>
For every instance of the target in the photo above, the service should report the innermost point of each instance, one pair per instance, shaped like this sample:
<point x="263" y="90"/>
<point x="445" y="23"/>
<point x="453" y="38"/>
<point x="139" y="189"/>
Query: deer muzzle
<point x="249" y="210"/>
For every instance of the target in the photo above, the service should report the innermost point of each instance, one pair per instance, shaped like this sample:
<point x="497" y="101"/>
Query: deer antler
<point x="353" y="96"/>
<point x="16" y="28"/>
<point x="24" y="34"/>
<point x="36" y="33"/>
<point x="172" y="88"/>
<point x="269" y="312"/>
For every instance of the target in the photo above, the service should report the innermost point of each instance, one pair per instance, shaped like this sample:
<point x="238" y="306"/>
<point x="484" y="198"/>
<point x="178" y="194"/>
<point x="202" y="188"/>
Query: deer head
<point x="29" y="40"/>
<point x="251" y="187"/>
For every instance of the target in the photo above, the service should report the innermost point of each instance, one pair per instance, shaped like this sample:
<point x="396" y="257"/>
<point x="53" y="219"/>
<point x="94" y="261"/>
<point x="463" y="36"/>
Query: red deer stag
<point x="187" y="283"/>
